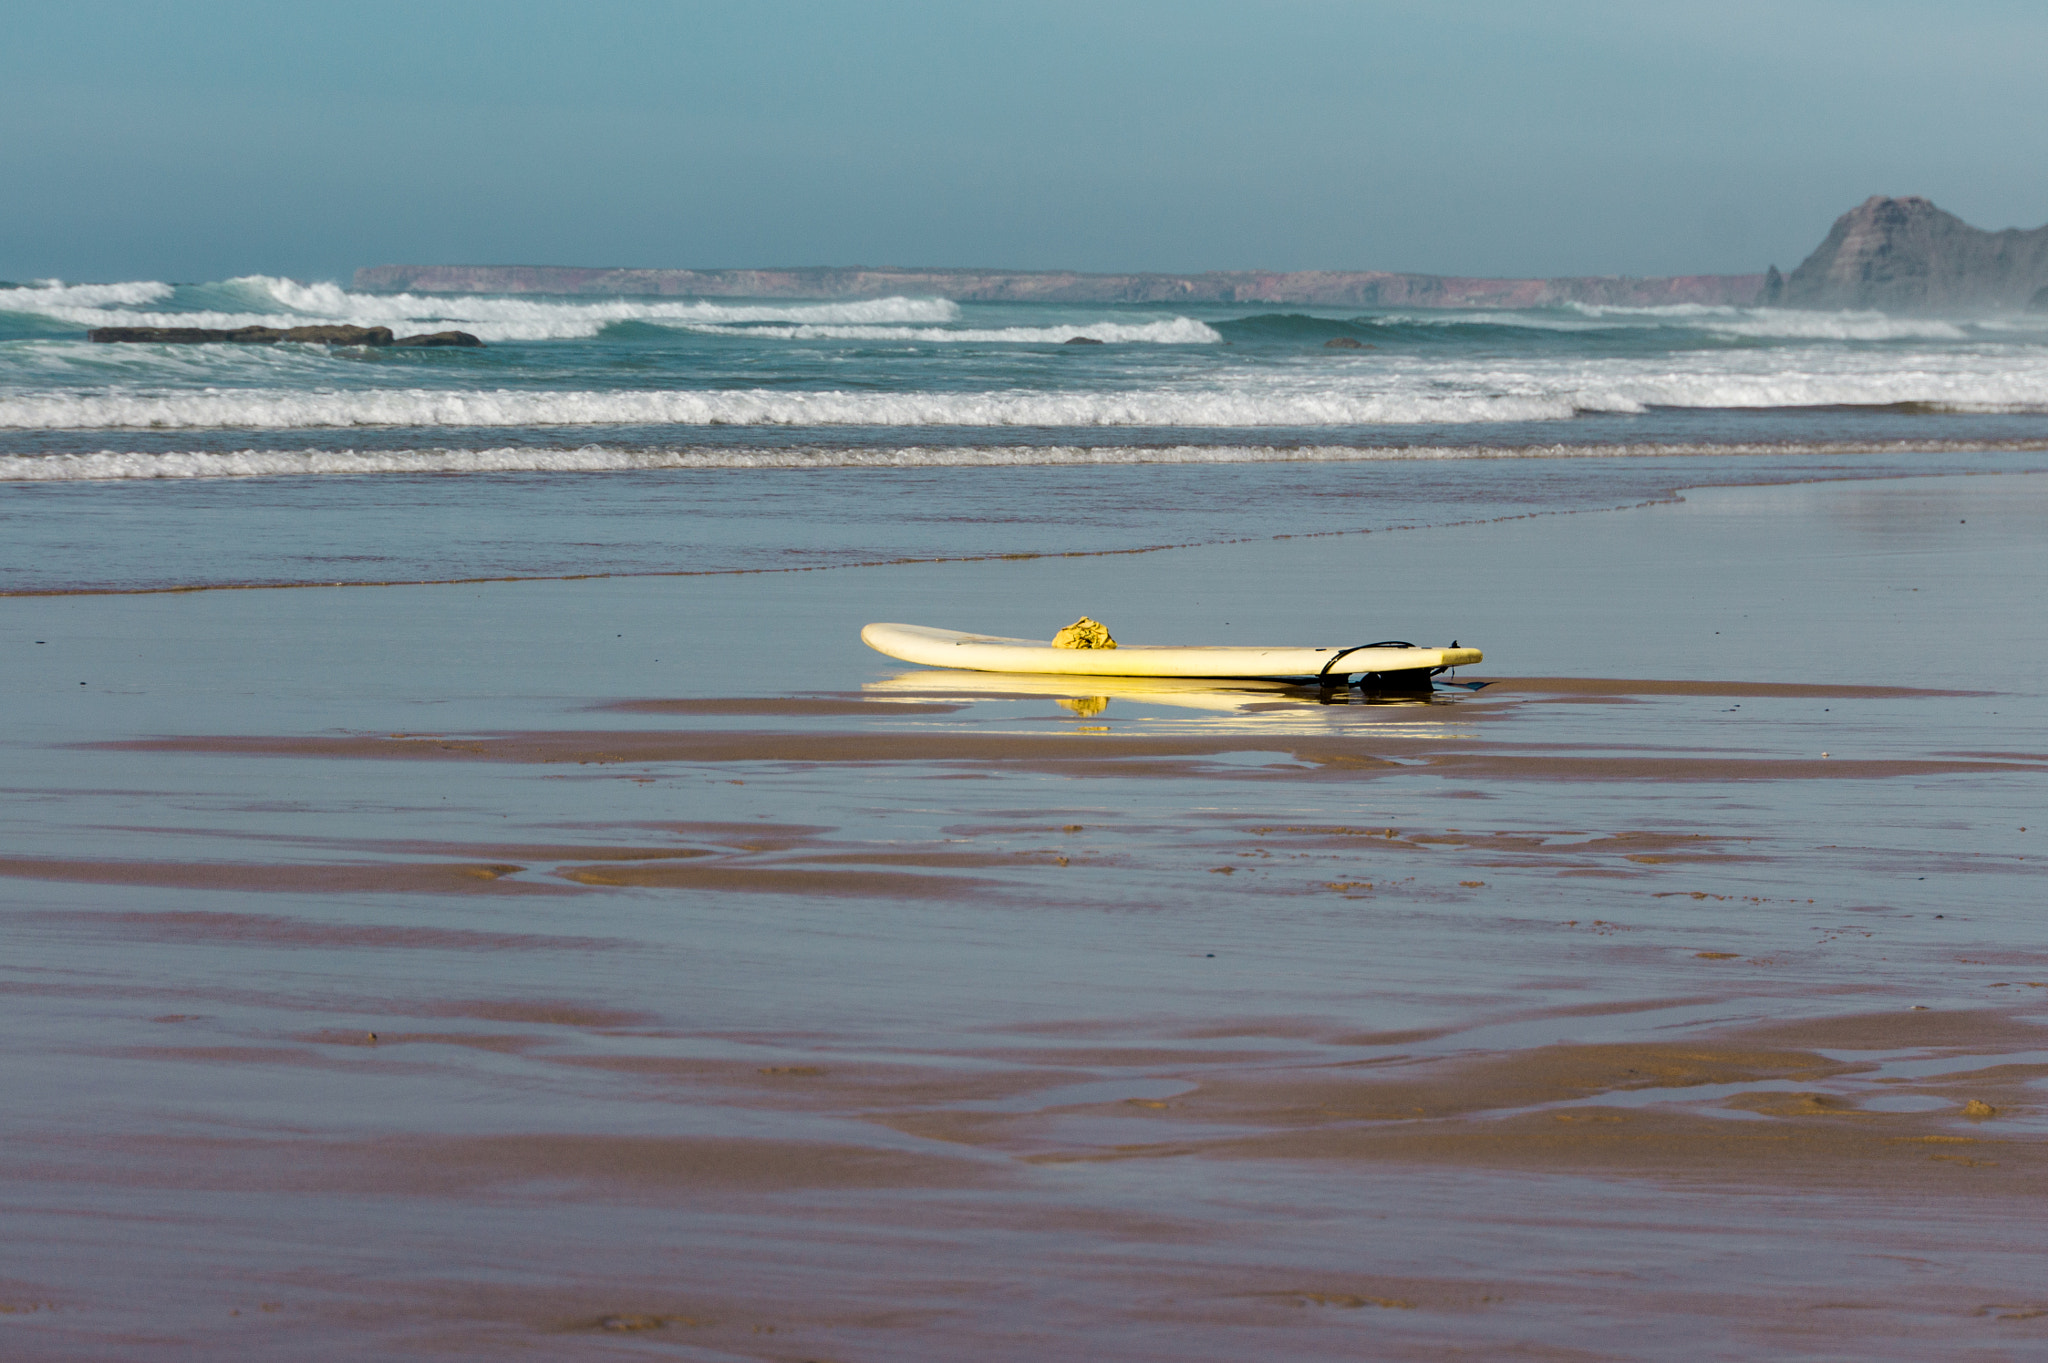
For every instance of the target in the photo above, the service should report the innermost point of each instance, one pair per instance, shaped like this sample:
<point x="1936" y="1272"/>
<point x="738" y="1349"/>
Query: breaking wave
<point x="1177" y="331"/>
<point x="53" y="293"/>
<point x="1402" y="393"/>
<point x="111" y="465"/>
<point x="1755" y="323"/>
<point x="276" y="409"/>
<point x="1784" y="323"/>
<point x="261" y="300"/>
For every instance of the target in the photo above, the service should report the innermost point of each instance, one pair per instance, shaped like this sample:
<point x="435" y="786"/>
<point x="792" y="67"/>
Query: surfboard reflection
<point x="1090" y="696"/>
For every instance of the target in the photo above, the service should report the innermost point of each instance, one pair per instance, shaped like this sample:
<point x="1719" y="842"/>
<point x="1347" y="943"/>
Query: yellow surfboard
<point x="993" y="653"/>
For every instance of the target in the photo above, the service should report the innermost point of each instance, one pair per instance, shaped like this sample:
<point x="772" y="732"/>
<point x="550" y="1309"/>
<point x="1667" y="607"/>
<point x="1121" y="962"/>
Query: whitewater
<point x="105" y="465"/>
<point x="915" y="363"/>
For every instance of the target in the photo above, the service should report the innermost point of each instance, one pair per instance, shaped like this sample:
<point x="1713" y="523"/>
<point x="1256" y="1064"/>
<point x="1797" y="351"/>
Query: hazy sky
<point x="196" y="140"/>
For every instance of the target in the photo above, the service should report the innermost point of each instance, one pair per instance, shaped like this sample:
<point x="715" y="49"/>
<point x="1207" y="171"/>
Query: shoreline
<point x="1676" y="494"/>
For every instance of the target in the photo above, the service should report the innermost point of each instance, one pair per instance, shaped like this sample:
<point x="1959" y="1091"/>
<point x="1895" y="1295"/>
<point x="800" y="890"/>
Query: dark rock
<point x="339" y="335"/>
<point x="2039" y="302"/>
<point x="1347" y="343"/>
<point x="1081" y="340"/>
<point x="186" y="335"/>
<point x="315" y="335"/>
<point x="1773" y="290"/>
<point x="1906" y="255"/>
<point x="462" y="338"/>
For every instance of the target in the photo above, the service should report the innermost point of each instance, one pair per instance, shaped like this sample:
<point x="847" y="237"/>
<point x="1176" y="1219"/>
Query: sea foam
<point x="1175" y="331"/>
<point x="112" y="465"/>
<point x="1760" y="323"/>
<point x="1397" y="391"/>
<point x="47" y="294"/>
<point x="275" y="409"/>
<point x="263" y="300"/>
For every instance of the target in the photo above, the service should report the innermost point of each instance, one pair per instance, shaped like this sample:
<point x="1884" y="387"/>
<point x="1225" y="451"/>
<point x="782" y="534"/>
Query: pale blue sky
<point x="197" y="139"/>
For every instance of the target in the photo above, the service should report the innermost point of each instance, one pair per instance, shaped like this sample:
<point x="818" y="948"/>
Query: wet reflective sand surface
<point x="587" y="969"/>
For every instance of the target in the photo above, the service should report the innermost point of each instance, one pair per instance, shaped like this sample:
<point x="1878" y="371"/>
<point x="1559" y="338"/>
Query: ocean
<point x="640" y="435"/>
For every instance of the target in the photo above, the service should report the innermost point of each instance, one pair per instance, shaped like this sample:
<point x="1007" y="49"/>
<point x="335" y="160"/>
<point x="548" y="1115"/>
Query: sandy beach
<point x="641" y="965"/>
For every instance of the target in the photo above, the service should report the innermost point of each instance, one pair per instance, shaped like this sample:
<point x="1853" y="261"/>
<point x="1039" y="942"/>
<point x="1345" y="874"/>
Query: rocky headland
<point x="1328" y="288"/>
<point x="1906" y="255"/>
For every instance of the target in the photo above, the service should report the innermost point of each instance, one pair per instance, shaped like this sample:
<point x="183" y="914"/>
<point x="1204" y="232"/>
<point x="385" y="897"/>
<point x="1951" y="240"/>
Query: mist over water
<point x="907" y="415"/>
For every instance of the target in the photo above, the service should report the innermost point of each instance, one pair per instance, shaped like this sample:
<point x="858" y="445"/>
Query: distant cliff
<point x="1328" y="288"/>
<point x="1906" y="255"/>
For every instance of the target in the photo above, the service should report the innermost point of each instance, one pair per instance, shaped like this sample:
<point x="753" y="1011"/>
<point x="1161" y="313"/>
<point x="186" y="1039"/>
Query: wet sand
<point x="1074" y="754"/>
<point x="437" y="974"/>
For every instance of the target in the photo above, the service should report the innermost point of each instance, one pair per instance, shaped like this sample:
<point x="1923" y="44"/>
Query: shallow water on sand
<point x="157" y="534"/>
<point x="737" y="991"/>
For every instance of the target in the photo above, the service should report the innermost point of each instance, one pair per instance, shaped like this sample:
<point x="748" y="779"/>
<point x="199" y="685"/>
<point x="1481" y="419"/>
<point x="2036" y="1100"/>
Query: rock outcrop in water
<point x="1327" y="288"/>
<point x="316" y="335"/>
<point x="1906" y="255"/>
<point x="441" y="338"/>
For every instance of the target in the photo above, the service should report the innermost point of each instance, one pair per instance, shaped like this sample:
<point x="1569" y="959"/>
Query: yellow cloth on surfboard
<point x="1084" y="633"/>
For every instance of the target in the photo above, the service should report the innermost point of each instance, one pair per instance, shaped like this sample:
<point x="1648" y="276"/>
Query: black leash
<point x="1343" y="653"/>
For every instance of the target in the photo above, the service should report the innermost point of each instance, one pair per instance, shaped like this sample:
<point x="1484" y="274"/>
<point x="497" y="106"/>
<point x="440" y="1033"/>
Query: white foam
<point x="1947" y="386"/>
<point x="1404" y="392"/>
<point x="1533" y="320"/>
<point x="113" y="465"/>
<point x="274" y="409"/>
<point x="1761" y="323"/>
<point x="46" y="295"/>
<point x="1833" y="326"/>
<point x="273" y="302"/>
<point x="1656" y="311"/>
<point x="1176" y="331"/>
<point x="66" y="363"/>
<point x="1785" y="323"/>
<point x="266" y="387"/>
<point x="531" y="319"/>
<point x="1981" y="379"/>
